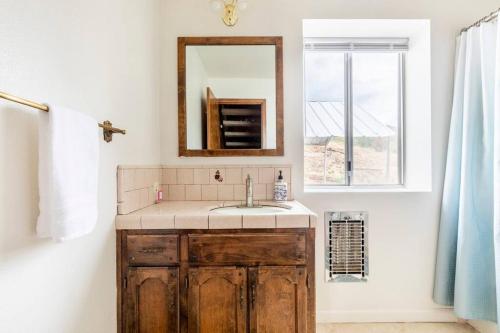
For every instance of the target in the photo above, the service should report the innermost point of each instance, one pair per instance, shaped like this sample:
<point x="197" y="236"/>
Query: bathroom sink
<point x="256" y="210"/>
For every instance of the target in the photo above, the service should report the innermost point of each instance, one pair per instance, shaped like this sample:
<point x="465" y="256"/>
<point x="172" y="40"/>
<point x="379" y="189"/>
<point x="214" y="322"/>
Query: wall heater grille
<point x="346" y="246"/>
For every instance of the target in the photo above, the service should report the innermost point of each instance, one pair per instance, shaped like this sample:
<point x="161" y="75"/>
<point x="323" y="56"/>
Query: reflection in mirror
<point x="230" y="97"/>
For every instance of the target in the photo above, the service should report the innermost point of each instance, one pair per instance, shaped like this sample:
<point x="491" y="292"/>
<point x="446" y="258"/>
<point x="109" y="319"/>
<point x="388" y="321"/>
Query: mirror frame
<point x="182" y="42"/>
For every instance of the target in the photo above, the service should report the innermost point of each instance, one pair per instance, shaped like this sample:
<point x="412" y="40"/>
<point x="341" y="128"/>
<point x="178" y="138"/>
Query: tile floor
<point x="396" y="328"/>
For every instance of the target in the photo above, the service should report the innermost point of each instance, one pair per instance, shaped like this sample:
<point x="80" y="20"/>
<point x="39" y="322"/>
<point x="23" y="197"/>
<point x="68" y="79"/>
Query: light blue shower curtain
<point x="468" y="259"/>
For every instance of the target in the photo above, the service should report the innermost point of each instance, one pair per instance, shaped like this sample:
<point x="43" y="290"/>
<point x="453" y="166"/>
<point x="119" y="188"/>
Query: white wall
<point x="101" y="58"/>
<point x="196" y="90"/>
<point x="403" y="226"/>
<point x="251" y="88"/>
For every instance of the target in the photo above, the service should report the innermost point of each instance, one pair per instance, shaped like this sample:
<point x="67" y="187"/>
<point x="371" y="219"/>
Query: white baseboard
<point x="387" y="316"/>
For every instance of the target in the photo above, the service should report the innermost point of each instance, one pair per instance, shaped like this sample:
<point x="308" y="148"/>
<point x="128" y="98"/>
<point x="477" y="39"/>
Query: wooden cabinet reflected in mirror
<point x="235" y="123"/>
<point x="230" y="92"/>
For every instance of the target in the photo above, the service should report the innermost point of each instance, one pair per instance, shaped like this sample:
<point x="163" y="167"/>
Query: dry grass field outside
<point x="371" y="161"/>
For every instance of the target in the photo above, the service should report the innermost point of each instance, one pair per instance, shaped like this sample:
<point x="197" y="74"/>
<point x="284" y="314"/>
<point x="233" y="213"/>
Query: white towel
<point x="68" y="172"/>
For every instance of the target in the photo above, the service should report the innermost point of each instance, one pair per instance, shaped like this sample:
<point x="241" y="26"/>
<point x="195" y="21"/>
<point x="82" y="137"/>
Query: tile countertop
<point x="198" y="215"/>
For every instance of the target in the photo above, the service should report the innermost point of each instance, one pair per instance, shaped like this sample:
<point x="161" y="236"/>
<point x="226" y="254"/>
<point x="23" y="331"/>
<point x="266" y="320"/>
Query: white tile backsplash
<point x="177" y="192"/>
<point x="266" y="175"/>
<point x="185" y="176"/>
<point x="233" y="176"/>
<point x="239" y="192"/>
<point x="128" y="179"/>
<point x="169" y="176"/>
<point x="259" y="191"/>
<point x="193" y="192"/>
<point x="208" y="192"/>
<point x="201" y="176"/>
<point x="253" y="172"/>
<point x="225" y="192"/>
<point x="136" y="187"/>
<point x="136" y="183"/>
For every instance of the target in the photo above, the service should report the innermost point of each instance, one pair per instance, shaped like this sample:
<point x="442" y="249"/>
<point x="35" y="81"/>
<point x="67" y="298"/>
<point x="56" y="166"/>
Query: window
<point x="354" y="107"/>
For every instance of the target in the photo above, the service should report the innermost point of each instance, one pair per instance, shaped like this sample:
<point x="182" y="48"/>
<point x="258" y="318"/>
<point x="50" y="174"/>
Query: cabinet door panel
<point x="152" y="300"/>
<point x="278" y="300"/>
<point x="217" y="300"/>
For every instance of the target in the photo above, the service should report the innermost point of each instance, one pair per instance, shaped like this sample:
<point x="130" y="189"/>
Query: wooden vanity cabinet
<point x="204" y="281"/>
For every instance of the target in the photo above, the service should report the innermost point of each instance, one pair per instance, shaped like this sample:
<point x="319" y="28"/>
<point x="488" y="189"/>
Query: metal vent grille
<point x="346" y="246"/>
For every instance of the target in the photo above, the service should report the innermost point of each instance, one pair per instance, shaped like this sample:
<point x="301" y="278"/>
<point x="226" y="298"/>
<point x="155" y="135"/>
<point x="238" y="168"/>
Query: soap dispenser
<point x="280" y="189"/>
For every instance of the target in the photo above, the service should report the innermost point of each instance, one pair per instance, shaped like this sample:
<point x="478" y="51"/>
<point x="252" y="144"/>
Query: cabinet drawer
<point x="249" y="249"/>
<point x="152" y="250"/>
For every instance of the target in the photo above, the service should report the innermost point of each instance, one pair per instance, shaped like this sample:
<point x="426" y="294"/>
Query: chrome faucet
<point x="249" y="197"/>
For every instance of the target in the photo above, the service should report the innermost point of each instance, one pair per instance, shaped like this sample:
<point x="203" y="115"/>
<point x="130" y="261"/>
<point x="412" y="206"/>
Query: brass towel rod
<point x="107" y="126"/>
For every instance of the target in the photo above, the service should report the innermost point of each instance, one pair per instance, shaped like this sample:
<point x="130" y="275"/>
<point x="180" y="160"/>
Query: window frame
<point x="348" y="125"/>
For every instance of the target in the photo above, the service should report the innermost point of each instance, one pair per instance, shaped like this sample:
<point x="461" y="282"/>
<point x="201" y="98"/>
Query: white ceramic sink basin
<point x="258" y="210"/>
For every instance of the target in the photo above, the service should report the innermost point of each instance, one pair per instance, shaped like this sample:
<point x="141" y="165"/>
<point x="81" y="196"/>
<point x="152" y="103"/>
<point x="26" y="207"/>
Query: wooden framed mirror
<point x="230" y="95"/>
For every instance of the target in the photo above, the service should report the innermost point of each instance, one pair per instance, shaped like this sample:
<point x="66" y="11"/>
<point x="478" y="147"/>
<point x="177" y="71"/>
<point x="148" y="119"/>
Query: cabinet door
<point x="217" y="300"/>
<point x="151" y="302"/>
<point x="278" y="299"/>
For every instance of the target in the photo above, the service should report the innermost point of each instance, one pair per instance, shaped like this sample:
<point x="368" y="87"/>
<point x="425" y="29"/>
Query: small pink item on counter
<point x="159" y="196"/>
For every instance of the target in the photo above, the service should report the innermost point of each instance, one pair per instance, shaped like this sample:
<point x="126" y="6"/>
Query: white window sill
<point x="361" y="189"/>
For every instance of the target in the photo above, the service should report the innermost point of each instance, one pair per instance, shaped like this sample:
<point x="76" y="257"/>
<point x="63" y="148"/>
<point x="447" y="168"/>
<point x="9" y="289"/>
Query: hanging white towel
<point x="68" y="173"/>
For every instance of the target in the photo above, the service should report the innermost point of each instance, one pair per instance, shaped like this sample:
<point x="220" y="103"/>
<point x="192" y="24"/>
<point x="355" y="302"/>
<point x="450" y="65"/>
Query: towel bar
<point x="107" y="126"/>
